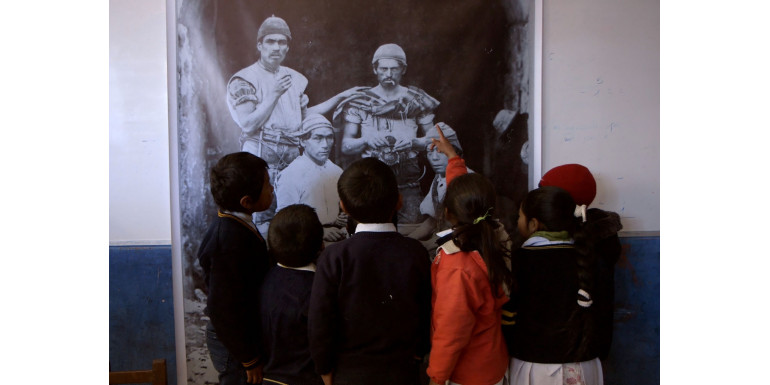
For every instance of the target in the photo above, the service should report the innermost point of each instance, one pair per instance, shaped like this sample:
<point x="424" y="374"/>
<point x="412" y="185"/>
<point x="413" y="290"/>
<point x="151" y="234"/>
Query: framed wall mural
<point x="312" y="85"/>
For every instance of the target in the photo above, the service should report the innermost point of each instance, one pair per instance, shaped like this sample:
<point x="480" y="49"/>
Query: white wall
<point x="600" y="108"/>
<point x="601" y="100"/>
<point x="139" y="147"/>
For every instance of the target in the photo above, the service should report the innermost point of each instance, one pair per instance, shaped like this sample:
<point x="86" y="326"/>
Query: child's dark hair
<point x="234" y="176"/>
<point x="369" y="191"/>
<point x="555" y="209"/>
<point x="295" y="235"/>
<point x="470" y="199"/>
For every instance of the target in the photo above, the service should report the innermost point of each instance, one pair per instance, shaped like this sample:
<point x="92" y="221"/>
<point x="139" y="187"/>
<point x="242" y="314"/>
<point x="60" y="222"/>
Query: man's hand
<point x="342" y="220"/>
<point x="334" y="234"/>
<point x="376" y="141"/>
<point x="327" y="378"/>
<point x="403" y="144"/>
<point x="351" y="91"/>
<point x="281" y="85"/>
<point x="254" y="376"/>
<point x="442" y="143"/>
<point x="419" y="144"/>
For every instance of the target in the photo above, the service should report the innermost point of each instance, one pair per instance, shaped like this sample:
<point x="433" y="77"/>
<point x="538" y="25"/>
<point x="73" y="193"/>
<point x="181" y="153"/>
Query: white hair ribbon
<point x="580" y="211"/>
<point x="585" y="295"/>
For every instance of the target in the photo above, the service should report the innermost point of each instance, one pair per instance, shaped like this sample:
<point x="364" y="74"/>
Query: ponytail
<point x="470" y="199"/>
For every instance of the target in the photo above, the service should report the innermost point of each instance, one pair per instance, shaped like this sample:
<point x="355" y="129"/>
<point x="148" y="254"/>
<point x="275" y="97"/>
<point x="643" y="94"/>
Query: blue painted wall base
<point x="141" y="309"/>
<point x="635" y="354"/>
<point x="142" y="315"/>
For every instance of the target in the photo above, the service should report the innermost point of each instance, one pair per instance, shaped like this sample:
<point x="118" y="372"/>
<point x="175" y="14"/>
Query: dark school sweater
<point x="544" y="302"/>
<point x="370" y="304"/>
<point x="284" y="307"/>
<point x="234" y="260"/>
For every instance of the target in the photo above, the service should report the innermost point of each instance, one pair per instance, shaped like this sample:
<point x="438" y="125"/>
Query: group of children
<point x="371" y="308"/>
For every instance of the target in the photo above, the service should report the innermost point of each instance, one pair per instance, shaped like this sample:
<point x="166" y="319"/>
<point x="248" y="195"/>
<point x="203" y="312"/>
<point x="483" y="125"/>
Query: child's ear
<point x="448" y="216"/>
<point x="250" y="205"/>
<point x="246" y="202"/>
<point x="533" y="225"/>
<point x="400" y="202"/>
<point x="342" y="206"/>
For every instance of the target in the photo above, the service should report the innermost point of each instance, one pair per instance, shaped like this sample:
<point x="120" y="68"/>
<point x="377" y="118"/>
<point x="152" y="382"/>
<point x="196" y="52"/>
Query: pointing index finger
<point x="440" y="133"/>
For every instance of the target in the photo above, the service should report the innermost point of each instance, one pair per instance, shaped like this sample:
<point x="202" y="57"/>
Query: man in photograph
<point x="389" y="122"/>
<point x="268" y="102"/>
<point x="312" y="178"/>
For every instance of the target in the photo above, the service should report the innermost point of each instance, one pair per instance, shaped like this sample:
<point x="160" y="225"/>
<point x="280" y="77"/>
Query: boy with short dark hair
<point x="234" y="259"/>
<point x="296" y="238"/>
<point x="369" y="319"/>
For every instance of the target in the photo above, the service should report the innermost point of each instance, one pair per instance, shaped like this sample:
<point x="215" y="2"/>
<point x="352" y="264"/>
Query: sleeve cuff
<point x="251" y="364"/>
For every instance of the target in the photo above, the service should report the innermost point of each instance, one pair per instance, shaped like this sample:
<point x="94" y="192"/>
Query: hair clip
<point x="585" y="295"/>
<point x="483" y="217"/>
<point x="580" y="211"/>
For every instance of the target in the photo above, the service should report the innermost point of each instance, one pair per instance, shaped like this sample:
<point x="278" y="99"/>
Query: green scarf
<point x="553" y="235"/>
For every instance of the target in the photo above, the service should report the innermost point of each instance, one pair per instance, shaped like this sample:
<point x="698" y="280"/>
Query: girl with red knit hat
<point x="602" y="228"/>
<point x="556" y="283"/>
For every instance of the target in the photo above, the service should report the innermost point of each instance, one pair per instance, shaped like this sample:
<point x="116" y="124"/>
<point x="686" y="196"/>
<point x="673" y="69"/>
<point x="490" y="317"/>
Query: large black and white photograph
<point x="312" y="86"/>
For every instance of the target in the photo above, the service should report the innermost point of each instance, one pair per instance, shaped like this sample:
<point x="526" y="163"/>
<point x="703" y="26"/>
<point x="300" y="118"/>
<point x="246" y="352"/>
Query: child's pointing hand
<point x="442" y="143"/>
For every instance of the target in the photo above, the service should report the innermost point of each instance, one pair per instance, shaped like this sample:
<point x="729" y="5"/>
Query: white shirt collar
<point x="541" y="241"/>
<point x="376" y="227"/>
<point x="310" y="267"/>
<point x="246" y="217"/>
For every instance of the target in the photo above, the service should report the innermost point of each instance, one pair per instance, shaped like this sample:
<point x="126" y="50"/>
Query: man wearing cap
<point x="268" y="102"/>
<point x="312" y="178"/>
<point x="389" y="122"/>
<point x="431" y="204"/>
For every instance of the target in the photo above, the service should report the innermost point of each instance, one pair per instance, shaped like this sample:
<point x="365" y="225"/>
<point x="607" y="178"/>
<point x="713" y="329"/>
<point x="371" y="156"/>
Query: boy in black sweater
<point x="296" y="238"/>
<point x="369" y="319"/>
<point x="234" y="259"/>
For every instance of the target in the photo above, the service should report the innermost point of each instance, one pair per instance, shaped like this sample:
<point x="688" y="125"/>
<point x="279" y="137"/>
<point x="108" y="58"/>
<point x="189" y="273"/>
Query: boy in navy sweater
<point x="296" y="238"/>
<point x="234" y="259"/>
<point x="369" y="320"/>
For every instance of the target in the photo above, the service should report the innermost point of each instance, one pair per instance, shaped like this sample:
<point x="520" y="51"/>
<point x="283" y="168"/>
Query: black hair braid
<point x="586" y="267"/>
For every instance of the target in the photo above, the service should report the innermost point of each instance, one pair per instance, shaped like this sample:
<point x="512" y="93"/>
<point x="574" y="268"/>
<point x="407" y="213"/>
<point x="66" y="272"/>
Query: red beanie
<point x="574" y="178"/>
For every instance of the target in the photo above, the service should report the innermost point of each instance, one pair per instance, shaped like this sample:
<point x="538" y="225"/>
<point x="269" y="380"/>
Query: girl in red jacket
<point x="470" y="277"/>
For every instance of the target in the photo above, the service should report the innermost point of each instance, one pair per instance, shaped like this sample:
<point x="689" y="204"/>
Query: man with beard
<point x="268" y="103"/>
<point x="389" y="122"/>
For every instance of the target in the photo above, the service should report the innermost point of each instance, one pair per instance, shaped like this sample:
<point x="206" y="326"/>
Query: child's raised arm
<point x="442" y="143"/>
<point x="455" y="164"/>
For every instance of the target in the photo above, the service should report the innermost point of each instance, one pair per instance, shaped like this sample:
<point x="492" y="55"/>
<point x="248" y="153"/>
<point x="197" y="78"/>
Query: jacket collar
<point x="375" y="227"/>
<point x="547" y="238"/>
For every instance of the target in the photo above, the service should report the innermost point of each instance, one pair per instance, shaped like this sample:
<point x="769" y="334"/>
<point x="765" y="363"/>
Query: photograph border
<point x="535" y="169"/>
